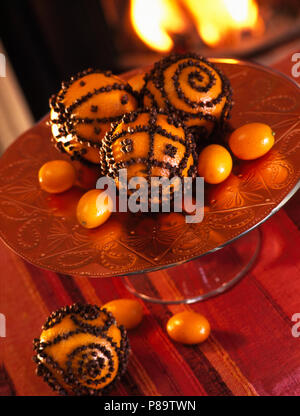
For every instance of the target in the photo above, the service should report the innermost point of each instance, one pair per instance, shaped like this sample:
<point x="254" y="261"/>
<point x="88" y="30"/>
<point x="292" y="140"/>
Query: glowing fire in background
<point x="218" y="22"/>
<point x="153" y="21"/>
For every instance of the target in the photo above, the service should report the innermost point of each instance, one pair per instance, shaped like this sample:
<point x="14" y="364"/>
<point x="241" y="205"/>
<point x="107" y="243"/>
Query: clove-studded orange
<point x="81" y="350"/>
<point x="192" y="88"/>
<point x="83" y="110"/>
<point x="149" y="143"/>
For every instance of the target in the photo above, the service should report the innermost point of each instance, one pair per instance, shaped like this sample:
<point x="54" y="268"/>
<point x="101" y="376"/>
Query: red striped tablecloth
<point x="251" y="350"/>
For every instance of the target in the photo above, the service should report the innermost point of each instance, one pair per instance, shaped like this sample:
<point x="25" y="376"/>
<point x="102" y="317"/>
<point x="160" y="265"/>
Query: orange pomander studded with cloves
<point x="83" y="110"/>
<point x="149" y="143"/>
<point x="192" y="88"/>
<point x="81" y="350"/>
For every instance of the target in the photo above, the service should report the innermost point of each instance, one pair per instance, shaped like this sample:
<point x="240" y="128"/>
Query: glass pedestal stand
<point x="195" y="281"/>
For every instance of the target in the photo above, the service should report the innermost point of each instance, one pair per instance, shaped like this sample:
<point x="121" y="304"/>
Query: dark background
<point x="47" y="41"/>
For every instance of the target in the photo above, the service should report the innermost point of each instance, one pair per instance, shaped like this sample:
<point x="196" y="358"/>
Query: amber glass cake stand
<point x="43" y="229"/>
<point x="208" y="276"/>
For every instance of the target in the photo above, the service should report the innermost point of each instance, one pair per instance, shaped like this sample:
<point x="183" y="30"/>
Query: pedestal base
<point x="208" y="276"/>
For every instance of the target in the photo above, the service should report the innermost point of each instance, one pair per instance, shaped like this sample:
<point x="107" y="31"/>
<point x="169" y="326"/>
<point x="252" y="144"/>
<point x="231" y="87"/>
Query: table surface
<point x="251" y="350"/>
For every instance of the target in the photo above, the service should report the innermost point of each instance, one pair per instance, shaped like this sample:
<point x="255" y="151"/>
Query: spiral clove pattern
<point x="81" y="350"/>
<point x="192" y="88"/>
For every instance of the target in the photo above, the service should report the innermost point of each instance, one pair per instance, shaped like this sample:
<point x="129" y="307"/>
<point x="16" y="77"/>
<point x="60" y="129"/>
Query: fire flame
<point x="153" y="20"/>
<point x="215" y="20"/>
